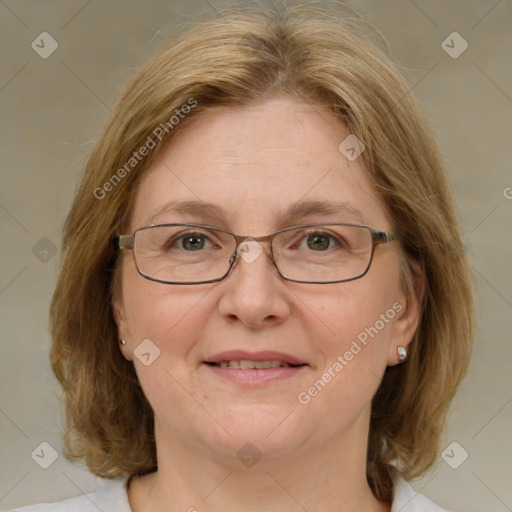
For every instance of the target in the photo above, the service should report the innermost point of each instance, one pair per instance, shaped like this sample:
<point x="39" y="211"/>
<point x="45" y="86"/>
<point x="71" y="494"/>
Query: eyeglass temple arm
<point x="124" y="242"/>
<point x="383" y="237"/>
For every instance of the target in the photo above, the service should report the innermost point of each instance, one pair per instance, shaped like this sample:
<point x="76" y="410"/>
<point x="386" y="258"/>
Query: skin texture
<point x="255" y="163"/>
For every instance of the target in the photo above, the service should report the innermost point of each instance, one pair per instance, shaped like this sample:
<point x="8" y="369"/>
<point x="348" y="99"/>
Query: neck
<point x="330" y="477"/>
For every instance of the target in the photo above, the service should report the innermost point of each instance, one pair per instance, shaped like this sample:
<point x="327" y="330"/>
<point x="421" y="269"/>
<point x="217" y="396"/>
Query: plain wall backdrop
<point x="52" y="110"/>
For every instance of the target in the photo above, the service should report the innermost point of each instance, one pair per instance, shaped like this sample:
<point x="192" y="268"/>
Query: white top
<point x="113" y="497"/>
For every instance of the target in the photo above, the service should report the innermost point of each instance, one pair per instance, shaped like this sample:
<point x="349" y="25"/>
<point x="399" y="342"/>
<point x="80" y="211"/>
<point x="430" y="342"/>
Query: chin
<point x="271" y="430"/>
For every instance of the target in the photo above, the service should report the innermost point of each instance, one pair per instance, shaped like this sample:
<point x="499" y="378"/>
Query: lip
<point x="253" y="377"/>
<point x="266" y="355"/>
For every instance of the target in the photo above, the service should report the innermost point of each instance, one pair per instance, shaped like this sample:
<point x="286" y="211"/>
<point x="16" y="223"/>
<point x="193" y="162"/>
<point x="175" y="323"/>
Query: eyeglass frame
<point x="127" y="242"/>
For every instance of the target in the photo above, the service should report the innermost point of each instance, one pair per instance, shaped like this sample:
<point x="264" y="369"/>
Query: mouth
<point x="254" y="369"/>
<point x="244" y="364"/>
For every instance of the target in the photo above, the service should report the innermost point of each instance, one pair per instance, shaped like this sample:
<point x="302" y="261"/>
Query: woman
<point x="264" y="302"/>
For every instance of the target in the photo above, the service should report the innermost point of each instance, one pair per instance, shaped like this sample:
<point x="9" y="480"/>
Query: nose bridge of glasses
<point x="242" y="238"/>
<point x="249" y="248"/>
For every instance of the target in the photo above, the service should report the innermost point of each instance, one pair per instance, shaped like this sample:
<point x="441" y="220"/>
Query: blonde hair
<point x="235" y="59"/>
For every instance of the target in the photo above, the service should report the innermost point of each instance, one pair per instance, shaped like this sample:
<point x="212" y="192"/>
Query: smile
<point x="244" y="364"/>
<point x="255" y="373"/>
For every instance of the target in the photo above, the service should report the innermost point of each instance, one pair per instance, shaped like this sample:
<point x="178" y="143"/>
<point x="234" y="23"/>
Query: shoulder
<point x="112" y="497"/>
<point x="406" y="499"/>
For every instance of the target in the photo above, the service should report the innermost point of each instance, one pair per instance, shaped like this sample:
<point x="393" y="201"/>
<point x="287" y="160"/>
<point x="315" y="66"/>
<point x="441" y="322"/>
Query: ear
<point x="408" y="315"/>
<point x="123" y="330"/>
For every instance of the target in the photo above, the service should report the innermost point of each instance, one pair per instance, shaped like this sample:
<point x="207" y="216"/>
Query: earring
<point x="122" y="342"/>
<point x="402" y="354"/>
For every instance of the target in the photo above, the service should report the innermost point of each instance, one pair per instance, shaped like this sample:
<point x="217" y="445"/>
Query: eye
<point x="318" y="241"/>
<point x="189" y="242"/>
<point x="193" y="242"/>
<point x="313" y="241"/>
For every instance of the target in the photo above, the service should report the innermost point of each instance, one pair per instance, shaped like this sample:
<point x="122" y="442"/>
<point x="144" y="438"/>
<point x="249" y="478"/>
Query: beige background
<point x="52" y="111"/>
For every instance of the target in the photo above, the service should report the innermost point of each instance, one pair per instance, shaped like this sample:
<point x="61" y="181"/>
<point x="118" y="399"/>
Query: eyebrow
<point x="297" y="212"/>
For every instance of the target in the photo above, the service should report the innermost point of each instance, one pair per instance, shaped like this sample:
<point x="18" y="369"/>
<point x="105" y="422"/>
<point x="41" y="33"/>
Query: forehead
<point x="253" y="166"/>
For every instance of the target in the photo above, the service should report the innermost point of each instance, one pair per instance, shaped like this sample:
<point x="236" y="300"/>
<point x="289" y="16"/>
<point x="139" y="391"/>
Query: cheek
<point x="353" y="325"/>
<point x="172" y="317"/>
<point x="354" y="354"/>
<point x="352" y="310"/>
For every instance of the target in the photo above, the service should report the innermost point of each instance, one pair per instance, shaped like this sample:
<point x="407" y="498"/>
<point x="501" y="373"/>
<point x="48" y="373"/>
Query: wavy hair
<point x="239" y="58"/>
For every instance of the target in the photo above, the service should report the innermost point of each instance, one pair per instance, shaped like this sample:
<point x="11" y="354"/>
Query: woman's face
<point x="255" y="165"/>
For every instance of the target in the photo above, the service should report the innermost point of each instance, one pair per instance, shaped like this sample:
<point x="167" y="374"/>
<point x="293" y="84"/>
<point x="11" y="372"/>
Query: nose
<point x="253" y="292"/>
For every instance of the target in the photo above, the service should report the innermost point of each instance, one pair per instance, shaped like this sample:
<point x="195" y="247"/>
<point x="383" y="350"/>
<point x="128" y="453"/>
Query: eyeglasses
<point x="198" y="254"/>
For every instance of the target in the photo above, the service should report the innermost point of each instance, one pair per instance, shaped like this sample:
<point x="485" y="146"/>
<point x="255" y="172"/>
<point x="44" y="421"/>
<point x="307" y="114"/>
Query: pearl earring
<point x="402" y="354"/>
<point x="122" y="342"/>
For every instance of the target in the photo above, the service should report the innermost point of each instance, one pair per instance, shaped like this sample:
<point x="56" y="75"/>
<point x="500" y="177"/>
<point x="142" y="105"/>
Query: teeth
<point x="244" y="364"/>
